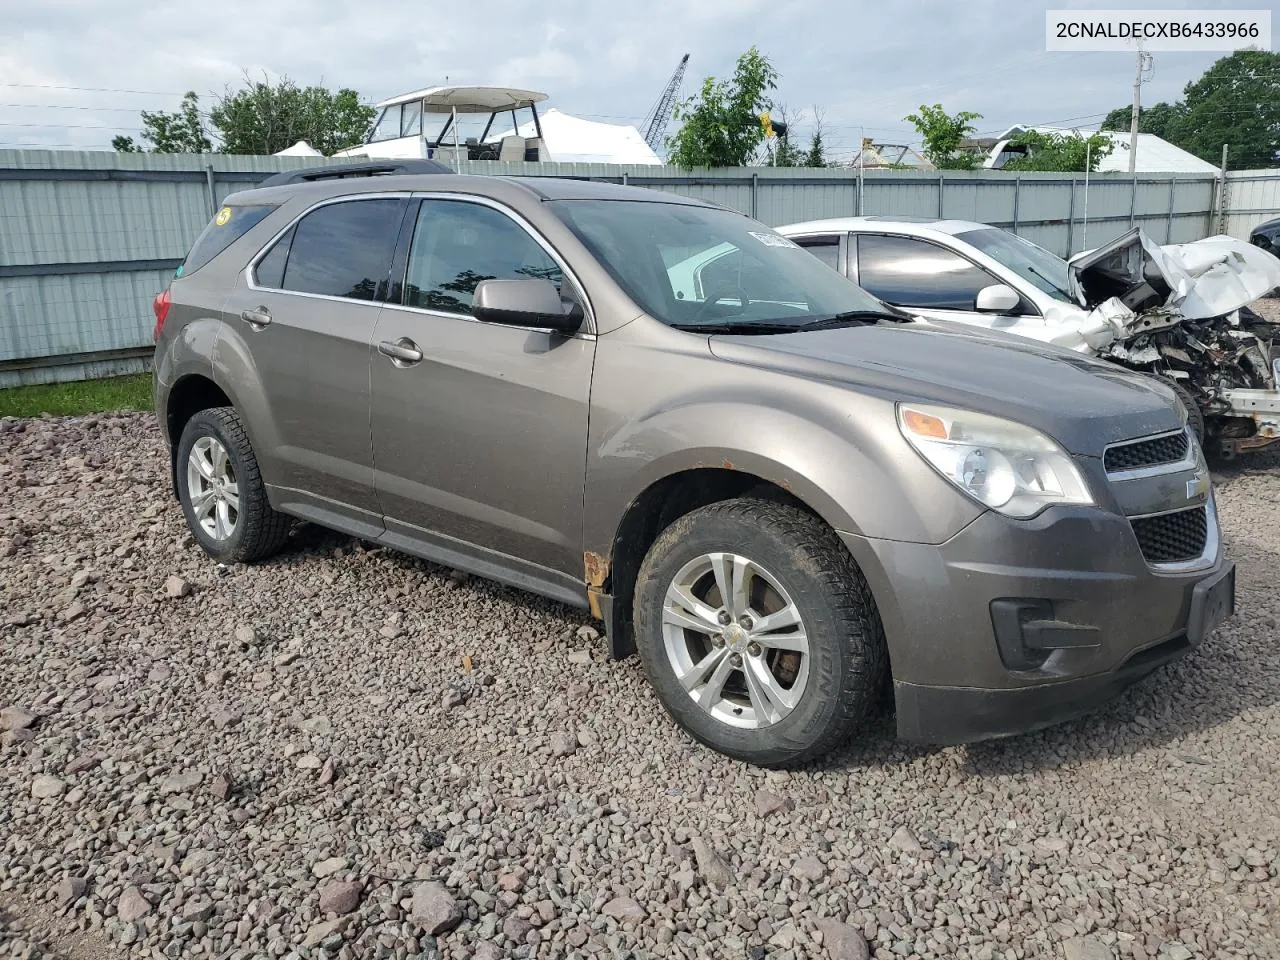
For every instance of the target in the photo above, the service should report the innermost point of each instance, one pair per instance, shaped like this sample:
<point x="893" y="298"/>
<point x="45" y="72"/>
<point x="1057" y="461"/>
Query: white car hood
<point x="1199" y="280"/>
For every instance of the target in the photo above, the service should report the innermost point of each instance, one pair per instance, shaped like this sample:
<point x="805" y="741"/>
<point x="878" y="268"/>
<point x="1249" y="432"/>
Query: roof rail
<point x="344" y="171"/>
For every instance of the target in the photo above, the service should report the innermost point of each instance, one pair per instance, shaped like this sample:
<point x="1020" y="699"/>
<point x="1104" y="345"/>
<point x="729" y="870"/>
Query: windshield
<point x="1033" y="263"/>
<point x="692" y="266"/>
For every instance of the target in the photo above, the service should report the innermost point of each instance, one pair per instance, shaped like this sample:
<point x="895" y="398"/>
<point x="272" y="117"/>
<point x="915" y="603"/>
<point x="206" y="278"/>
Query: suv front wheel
<point x="221" y="490"/>
<point x="758" y="631"/>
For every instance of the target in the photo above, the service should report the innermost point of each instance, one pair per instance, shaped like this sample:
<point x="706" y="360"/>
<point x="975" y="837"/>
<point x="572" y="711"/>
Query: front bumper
<point x="1260" y="406"/>
<point x="1100" y="618"/>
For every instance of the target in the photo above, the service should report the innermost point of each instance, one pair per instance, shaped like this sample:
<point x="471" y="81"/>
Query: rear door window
<point x="344" y="249"/>
<point x="826" y="249"/>
<point x="229" y="224"/>
<point x="456" y="244"/>
<point x="270" y="270"/>
<point x="907" y="272"/>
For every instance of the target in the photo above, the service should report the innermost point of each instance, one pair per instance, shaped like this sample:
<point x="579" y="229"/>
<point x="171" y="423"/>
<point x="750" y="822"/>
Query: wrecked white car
<point x="1178" y="311"/>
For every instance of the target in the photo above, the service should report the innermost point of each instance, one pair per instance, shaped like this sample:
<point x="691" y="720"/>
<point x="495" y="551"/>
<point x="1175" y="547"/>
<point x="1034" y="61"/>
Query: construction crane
<point x="660" y="115"/>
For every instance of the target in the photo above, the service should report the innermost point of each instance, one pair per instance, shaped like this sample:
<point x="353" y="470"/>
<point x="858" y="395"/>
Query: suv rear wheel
<point x="758" y="632"/>
<point x="221" y="490"/>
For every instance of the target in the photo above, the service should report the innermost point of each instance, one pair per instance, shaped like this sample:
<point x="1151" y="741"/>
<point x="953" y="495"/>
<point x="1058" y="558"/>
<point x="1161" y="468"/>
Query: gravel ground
<point x="348" y="753"/>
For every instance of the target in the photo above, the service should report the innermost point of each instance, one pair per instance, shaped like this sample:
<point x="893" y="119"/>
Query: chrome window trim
<point x="449" y="315"/>
<point x="1190" y="459"/>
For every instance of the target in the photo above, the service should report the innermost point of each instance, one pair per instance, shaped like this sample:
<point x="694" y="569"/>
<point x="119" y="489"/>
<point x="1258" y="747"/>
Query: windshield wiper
<point x="852" y="318"/>
<point x="744" y="326"/>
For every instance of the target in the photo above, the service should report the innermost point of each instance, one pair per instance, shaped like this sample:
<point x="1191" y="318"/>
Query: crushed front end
<point x="1181" y="312"/>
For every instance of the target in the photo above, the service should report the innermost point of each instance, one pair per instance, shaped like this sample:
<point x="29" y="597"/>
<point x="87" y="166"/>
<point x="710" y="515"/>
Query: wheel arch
<point x="663" y="501"/>
<point x="188" y="396"/>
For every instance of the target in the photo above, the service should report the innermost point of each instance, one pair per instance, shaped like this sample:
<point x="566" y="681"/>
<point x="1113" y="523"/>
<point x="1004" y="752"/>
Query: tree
<point x="816" y="155"/>
<point x="1157" y="119"/>
<point x="179" y="132"/>
<point x="942" y="134"/>
<point x="721" y="124"/>
<point x="1069" y="153"/>
<point x="780" y="151"/>
<point x="1236" y="102"/>
<point x="262" y="118"/>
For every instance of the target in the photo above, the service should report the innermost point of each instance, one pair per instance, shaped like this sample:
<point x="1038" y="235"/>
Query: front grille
<point x="1173" y="537"/>
<point x="1145" y="453"/>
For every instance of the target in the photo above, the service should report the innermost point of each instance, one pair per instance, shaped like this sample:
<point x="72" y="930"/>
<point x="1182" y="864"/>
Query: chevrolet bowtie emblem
<point x="1197" y="488"/>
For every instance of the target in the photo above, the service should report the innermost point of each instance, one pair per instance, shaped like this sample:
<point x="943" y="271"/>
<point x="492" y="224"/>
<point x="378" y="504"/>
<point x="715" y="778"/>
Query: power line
<point x="54" y="86"/>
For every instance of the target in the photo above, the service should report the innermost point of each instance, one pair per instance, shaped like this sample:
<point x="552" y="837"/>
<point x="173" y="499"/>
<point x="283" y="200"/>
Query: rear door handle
<point x="403" y="352"/>
<point x="257" y="318"/>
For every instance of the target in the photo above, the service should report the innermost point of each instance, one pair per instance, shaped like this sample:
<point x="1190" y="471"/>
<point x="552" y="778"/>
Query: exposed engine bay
<point x="1179" y="312"/>
<point x="1212" y="360"/>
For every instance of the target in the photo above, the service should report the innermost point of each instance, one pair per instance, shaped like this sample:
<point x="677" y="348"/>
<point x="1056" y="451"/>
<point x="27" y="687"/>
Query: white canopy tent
<point x="571" y="139"/>
<point x="299" y="149"/>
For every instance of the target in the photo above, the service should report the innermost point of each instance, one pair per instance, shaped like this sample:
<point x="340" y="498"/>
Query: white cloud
<point x="864" y="66"/>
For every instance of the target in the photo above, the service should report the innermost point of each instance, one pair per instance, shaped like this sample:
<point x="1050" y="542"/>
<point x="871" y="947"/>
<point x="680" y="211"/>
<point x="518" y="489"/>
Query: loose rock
<point x="624" y="910"/>
<point x="434" y="908"/>
<point x="176" y="588"/>
<point x="768" y="802"/>
<point x="326" y="868"/>
<point x="340" y="896"/>
<point x="132" y="905"/>
<point x="45" y="787"/>
<point x="711" y="865"/>
<point x="1087" y="948"/>
<point x="15" y="718"/>
<point x="905" y="841"/>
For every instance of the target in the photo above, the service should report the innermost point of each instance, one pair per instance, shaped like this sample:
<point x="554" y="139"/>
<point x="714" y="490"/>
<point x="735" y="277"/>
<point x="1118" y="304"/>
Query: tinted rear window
<point x="227" y="226"/>
<point x="344" y="249"/>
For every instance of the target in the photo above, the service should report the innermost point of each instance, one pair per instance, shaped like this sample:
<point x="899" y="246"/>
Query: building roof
<point x="1155" y="155"/>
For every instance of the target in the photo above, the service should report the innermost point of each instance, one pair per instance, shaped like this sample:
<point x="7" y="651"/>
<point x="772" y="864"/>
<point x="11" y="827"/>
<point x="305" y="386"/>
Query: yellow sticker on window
<point x="223" y="217"/>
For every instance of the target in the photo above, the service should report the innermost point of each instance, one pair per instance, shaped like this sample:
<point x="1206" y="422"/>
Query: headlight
<point x="1001" y="464"/>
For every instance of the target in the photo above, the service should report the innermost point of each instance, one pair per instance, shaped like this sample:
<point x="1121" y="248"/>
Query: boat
<point x="452" y="124"/>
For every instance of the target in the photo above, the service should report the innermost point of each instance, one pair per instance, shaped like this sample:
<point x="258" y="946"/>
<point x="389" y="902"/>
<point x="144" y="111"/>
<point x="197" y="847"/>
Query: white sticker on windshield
<point x="772" y="239"/>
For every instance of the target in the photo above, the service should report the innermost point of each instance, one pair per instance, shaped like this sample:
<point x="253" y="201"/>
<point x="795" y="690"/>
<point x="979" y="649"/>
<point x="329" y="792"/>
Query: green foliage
<point x="784" y="153"/>
<point x="1068" y="152"/>
<point x="262" y="118"/>
<point x="79" y="397"/>
<point x="816" y="155"/>
<point x="179" y="132"/>
<point x="942" y="133"/>
<point x="1236" y="102"/>
<point x="721" y="125"/>
<point x="1158" y="119"/>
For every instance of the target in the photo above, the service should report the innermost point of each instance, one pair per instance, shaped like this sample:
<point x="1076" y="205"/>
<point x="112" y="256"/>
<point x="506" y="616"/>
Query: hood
<point x="1199" y="280"/>
<point x="1082" y="403"/>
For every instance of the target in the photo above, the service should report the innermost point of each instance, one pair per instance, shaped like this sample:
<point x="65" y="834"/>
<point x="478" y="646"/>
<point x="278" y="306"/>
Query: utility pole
<point x="1144" y="62"/>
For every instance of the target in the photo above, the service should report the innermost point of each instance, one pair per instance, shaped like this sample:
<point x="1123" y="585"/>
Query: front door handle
<point x="403" y="352"/>
<point x="257" y="318"/>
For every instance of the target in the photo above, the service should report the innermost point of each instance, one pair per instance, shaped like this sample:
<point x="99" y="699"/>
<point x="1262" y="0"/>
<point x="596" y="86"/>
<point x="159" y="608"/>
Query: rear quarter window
<point x="229" y="224"/>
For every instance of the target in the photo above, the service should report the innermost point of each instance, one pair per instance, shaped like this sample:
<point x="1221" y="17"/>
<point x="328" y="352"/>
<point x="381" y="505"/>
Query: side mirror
<point x="997" y="298"/>
<point x="525" y="303"/>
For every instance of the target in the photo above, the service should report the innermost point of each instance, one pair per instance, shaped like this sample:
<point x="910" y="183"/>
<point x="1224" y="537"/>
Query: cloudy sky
<point x="74" y="73"/>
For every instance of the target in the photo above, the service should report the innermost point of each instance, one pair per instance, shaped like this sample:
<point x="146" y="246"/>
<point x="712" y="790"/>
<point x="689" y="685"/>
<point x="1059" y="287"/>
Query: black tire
<point x="1195" y="416"/>
<point x="848" y="659"/>
<point x="259" y="530"/>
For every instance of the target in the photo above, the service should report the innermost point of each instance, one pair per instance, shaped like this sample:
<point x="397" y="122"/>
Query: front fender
<point x="837" y="450"/>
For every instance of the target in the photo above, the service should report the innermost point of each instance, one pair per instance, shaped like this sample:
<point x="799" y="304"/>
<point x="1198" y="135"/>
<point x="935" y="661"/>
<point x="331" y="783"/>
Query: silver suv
<point x="782" y="492"/>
